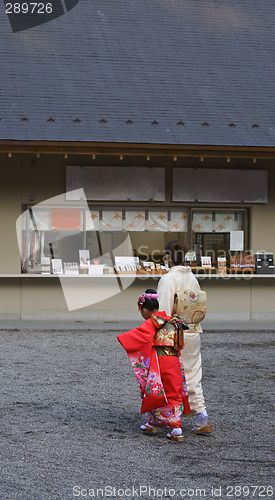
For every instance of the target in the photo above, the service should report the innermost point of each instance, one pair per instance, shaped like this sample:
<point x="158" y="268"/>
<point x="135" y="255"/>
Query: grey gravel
<point x="70" y="421"/>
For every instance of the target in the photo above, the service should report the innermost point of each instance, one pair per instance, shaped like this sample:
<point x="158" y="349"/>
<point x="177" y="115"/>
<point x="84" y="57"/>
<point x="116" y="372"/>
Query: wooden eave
<point x="135" y="149"/>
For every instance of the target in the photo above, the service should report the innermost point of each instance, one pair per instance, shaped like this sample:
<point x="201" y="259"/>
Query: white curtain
<point x="134" y="220"/>
<point x="157" y="221"/>
<point x="202" y="222"/>
<point x="178" y="222"/>
<point x="42" y="218"/>
<point x="223" y="222"/>
<point x="92" y="220"/>
<point x="111" y="220"/>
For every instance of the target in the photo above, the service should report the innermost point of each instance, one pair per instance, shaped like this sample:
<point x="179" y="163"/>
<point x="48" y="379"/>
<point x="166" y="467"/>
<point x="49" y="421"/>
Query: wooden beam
<point x="136" y="149"/>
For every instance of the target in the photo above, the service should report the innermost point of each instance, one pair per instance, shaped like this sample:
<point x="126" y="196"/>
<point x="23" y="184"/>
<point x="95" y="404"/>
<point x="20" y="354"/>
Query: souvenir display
<point x="57" y="267"/>
<point x="264" y="263"/>
<point x="222" y="269"/>
<point x="242" y="262"/>
<point x="71" y="268"/>
<point x="84" y="259"/>
<point x="45" y="265"/>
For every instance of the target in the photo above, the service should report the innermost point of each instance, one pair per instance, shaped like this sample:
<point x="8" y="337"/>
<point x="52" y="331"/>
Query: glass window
<point x="211" y="231"/>
<point x="55" y="233"/>
<point x="60" y="232"/>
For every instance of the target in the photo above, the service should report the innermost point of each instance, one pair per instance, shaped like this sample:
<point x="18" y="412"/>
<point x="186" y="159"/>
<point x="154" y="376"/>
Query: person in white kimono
<point x="173" y="289"/>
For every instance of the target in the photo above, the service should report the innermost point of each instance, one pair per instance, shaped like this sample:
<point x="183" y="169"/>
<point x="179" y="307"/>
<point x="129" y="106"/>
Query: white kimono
<point x="181" y="278"/>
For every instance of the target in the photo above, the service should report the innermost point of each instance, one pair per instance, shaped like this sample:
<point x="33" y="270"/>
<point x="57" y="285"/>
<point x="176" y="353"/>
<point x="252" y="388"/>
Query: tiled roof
<point x="144" y="71"/>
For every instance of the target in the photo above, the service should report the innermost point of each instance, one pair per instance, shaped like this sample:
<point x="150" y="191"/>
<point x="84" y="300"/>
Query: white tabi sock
<point x="202" y="419"/>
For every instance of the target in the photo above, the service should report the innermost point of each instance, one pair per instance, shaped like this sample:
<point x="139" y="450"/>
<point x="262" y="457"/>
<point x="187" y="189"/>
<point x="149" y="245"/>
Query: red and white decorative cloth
<point x="161" y="378"/>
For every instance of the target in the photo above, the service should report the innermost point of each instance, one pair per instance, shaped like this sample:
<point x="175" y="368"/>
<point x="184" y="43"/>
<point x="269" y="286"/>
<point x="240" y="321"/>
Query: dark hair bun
<point x="177" y="252"/>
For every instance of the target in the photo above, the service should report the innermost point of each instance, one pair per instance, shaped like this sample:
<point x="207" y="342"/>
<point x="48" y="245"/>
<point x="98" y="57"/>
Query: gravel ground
<point x="70" y="421"/>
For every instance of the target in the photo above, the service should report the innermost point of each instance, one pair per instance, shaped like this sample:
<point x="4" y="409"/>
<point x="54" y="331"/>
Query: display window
<point x="50" y="234"/>
<point x="104" y="233"/>
<point x="214" y="233"/>
<point x="59" y="233"/>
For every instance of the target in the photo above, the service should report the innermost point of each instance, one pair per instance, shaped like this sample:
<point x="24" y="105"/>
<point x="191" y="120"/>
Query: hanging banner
<point x="135" y="220"/>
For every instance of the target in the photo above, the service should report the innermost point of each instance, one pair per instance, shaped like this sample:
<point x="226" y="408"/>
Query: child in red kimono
<point x="154" y="351"/>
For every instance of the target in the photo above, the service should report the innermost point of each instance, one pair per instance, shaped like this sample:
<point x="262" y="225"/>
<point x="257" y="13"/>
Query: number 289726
<point x="29" y="8"/>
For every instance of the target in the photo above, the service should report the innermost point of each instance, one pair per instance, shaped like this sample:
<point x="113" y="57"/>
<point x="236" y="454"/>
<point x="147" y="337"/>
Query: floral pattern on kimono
<point x="167" y="416"/>
<point x="138" y="344"/>
<point x="149" y="379"/>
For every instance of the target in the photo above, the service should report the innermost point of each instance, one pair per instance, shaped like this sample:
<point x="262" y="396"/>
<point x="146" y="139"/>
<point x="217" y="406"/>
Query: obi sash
<point x="190" y="305"/>
<point x="169" y="333"/>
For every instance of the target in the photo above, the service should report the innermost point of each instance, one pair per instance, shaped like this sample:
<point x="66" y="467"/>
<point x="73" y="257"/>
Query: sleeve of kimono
<point x="138" y="345"/>
<point x="139" y="339"/>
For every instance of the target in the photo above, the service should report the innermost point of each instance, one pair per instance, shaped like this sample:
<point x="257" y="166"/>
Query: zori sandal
<point x="202" y="430"/>
<point x="148" y="429"/>
<point x="179" y="438"/>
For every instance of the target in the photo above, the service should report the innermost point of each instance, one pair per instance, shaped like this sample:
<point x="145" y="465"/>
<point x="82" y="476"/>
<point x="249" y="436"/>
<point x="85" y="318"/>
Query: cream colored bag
<point x="190" y="305"/>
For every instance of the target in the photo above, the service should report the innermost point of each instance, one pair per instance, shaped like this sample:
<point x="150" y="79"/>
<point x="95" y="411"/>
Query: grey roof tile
<point x="192" y="61"/>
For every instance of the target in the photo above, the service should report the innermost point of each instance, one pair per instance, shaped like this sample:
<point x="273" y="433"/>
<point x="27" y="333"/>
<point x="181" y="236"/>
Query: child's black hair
<point x="150" y="304"/>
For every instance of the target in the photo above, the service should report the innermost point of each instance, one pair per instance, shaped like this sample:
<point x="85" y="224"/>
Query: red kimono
<point x="154" y="349"/>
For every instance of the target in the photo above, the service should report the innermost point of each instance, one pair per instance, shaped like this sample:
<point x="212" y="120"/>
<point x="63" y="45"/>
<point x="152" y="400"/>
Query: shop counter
<point x="40" y="296"/>
<point x="198" y="275"/>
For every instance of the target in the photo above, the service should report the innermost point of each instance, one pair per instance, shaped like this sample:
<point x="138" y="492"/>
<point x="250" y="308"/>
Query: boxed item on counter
<point x="206" y="261"/>
<point x="57" y="267"/>
<point x="242" y="262"/>
<point x="96" y="269"/>
<point x="190" y="256"/>
<point x="71" y="268"/>
<point x="222" y="269"/>
<point x="84" y="259"/>
<point x="264" y="263"/>
<point x="45" y="265"/>
<point x="108" y="270"/>
<point x="126" y="268"/>
<point x="126" y="264"/>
